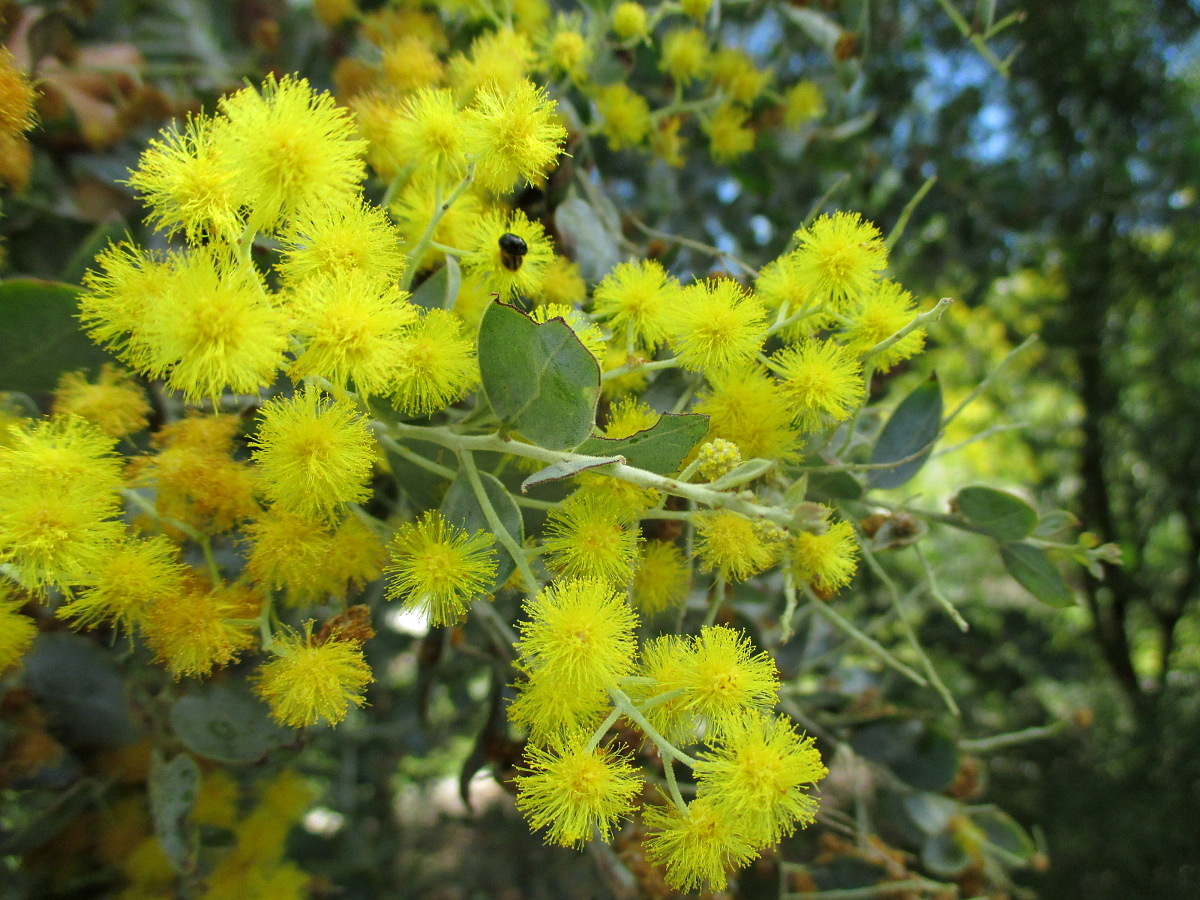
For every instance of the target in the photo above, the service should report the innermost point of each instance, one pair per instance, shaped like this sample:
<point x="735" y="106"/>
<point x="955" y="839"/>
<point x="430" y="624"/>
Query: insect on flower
<point x="512" y="251"/>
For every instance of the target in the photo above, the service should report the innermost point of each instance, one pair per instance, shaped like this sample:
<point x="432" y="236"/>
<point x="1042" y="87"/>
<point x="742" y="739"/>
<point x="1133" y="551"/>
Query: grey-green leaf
<point x="1033" y="570"/>
<point x="1003" y="832"/>
<point x="1004" y="516"/>
<point x="538" y="378"/>
<point x="173" y="789"/>
<point x="227" y="723"/>
<point x="594" y="247"/>
<point x="908" y="437"/>
<point x="463" y="508"/>
<point x="660" y="449"/>
<point x="80" y="687"/>
<point x="566" y="469"/>
<point x="40" y="336"/>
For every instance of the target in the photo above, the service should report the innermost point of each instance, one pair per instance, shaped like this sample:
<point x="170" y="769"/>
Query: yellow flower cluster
<point x="578" y="655"/>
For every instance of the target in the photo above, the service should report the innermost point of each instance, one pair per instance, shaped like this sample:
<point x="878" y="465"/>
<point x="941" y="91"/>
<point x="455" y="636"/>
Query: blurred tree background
<point x="1065" y="204"/>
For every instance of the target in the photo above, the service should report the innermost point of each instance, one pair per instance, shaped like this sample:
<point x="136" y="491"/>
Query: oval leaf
<point x="462" y="507"/>
<point x="227" y="723"/>
<point x="539" y="379"/>
<point x="908" y="437"/>
<point x="1003" y="832"/>
<point x="930" y="812"/>
<point x="1004" y="516"/>
<point x="944" y="856"/>
<point x="660" y="449"/>
<point x="40" y="337"/>
<point x="79" y="685"/>
<point x="173" y="788"/>
<point x="1033" y="570"/>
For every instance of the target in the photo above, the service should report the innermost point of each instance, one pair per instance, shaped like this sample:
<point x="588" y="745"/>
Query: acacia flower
<point x="498" y="59"/>
<point x="735" y="73"/>
<point x="308" y="681"/>
<point x="748" y="408"/>
<point x="584" y="538"/>
<point x="625" y="114"/>
<point x="287" y="551"/>
<point x="721" y="676"/>
<point x="190" y="632"/>
<point x="114" y="402"/>
<point x="59" y="484"/>
<point x="17" y="97"/>
<point x="728" y="135"/>
<point x="803" y="103"/>
<point x="826" y="561"/>
<point x="438" y="568"/>
<point x="562" y="283"/>
<point x="629" y="20"/>
<point x="17" y="631"/>
<point x="513" y="136"/>
<point x="718" y="458"/>
<point x="410" y="63"/>
<point x="877" y="318"/>
<point x="728" y="542"/>
<point x="579" y="632"/>
<point x="719" y="327"/>
<point x="353" y="237"/>
<point x="546" y="707"/>
<point x="187" y="185"/>
<point x="572" y="791"/>
<point x="429" y="133"/>
<point x="353" y="327"/>
<point x="486" y="256"/>
<point x="662" y="669"/>
<point x="696" y="846"/>
<point x="756" y="774"/>
<point x="134" y="574"/>
<point x="567" y="50"/>
<point x="314" y="454"/>
<point x="839" y="258"/>
<point x="662" y="580"/>
<point x="685" y="55"/>
<point x="211" y="327"/>
<point x="436" y="365"/>
<point x="289" y="149"/>
<point x="640" y="296"/>
<point x="821" y="380"/>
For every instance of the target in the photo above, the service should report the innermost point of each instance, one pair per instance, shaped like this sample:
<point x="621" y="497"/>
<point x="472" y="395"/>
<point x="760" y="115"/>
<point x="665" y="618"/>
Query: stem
<point x="918" y="321"/>
<point x="673" y="785"/>
<point x="874" y="890"/>
<point x="423" y="242"/>
<point x="631" y="712"/>
<point x="898" y="229"/>
<point x="987" y="379"/>
<point x="493" y="520"/>
<point x="870" y="643"/>
<point x="1012" y="738"/>
<point x="598" y="734"/>
<point x="936" y="593"/>
<point x="697" y="245"/>
<point x="718" y="600"/>
<point x="910" y="633"/>
<point x="647" y="366"/>
<point x="214" y="571"/>
<point x="463" y="443"/>
<point x="416" y="458"/>
<point x="503" y="631"/>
